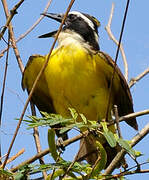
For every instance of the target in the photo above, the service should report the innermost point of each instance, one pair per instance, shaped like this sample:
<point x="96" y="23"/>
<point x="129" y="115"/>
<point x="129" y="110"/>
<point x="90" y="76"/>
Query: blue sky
<point x="136" y="45"/>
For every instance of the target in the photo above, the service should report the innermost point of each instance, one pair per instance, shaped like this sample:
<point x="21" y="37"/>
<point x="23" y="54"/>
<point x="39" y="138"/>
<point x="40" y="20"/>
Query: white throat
<point x="69" y="37"/>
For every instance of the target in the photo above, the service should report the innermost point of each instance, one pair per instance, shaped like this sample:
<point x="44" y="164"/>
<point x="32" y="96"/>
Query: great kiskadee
<point x="78" y="76"/>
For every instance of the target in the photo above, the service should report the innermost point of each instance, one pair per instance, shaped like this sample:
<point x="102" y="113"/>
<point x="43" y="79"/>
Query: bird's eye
<point x="72" y="17"/>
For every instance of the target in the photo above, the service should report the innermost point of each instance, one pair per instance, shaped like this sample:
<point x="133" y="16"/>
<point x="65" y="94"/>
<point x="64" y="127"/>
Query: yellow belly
<point x="74" y="81"/>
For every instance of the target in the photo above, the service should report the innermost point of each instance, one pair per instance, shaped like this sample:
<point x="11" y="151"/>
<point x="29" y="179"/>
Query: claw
<point x="60" y="144"/>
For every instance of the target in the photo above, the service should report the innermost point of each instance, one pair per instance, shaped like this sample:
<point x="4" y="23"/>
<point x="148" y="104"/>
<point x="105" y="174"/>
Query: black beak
<point x="57" y="17"/>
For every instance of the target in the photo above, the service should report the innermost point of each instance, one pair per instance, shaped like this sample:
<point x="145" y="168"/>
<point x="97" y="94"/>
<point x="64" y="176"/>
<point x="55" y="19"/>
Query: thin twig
<point x="36" y="23"/>
<point x="94" y="166"/>
<point x="37" y="140"/>
<point x="133" y="81"/>
<point x="71" y="165"/>
<point x="117" y="121"/>
<point x="115" y="176"/>
<point x="9" y="17"/>
<point x="132" y="115"/>
<point x="111" y="36"/>
<point x="19" y="62"/>
<point x="4" y="81"/>
<point x="35" y="82"/>
<point x="46" y="151"/>
<point x="3" y="87"/>
<point x="15" y="51"/>
<point x="15" y="156"/>
<point x="116" y="58"/>
<point x="12" y="37"/>
<point x="30" y="29"/>
<point x="121" y="154"/>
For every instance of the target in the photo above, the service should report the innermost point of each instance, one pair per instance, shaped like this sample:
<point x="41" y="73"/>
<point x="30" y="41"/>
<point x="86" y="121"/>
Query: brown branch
<point x="121" y="154"/>
<point x="46" y="151"/>
<point x="116" y="58"/>
<point x="132" y="115"/>
<point x="9" y="17"/>
<point x="4" y="81"/>
<point x="3" y="87"/>
<point x="12" y="37"/>
<point x="133" y="81"/>
<point x="37" y="140"/>
<point x="71" y="165"/>
<point x="36" y="23"/>
<point x="117" y="121"/>
<point x="15" y="156"/>
<point x="16" y="54"/>
<point x="115" y="176"/>
<point x="111" y="36"/>
<point x="30" y="29"/>
<point x="35" y="82"/>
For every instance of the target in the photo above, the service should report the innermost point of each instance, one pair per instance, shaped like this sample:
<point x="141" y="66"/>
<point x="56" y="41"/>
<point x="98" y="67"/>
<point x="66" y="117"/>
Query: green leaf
<point x="123" y="143"/>
<point x="102" y="162"/>
<point x="104" y="125"/>
<point x="138" y="153"/>
<point x="110" y="138"/>
<point x="5" y="175"/>
<point x="73" y="113"/>
<point x="83" y="118"/>
<point x="56" y="174"/>
<point x="65" y="129"/>
<point x="52" y="145"/>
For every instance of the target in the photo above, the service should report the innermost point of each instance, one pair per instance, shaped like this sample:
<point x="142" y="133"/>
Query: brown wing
<point x="40" y="96"/>
<point x="124" y="98"/>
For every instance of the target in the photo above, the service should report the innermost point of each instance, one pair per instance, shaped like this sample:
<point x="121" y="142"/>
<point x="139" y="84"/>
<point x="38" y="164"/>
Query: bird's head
<point x="81" y="27"/>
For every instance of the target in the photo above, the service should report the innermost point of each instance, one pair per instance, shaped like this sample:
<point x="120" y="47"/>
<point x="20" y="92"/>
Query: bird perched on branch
<point x="78" y="75"/>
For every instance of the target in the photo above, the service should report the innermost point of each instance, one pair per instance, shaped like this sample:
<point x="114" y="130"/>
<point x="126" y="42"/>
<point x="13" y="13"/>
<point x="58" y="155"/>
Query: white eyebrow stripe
<point x="89" y="22"/>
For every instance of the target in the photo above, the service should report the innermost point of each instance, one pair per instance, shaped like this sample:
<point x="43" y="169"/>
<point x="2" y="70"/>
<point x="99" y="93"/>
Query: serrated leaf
<point x="56" y="174"/>
<point x="65" y="129"/>
<point x="52" y="145"/>
<point x="126" y="146"/>
<point x="5" y="175"/>
<point x="138" y="153"/>
<point x="104" y="125"/>
<point x="93" y="123"/>
<point x="110" y="138"/>
<point x="73" y="113"/>
<point x="83" y="118"/>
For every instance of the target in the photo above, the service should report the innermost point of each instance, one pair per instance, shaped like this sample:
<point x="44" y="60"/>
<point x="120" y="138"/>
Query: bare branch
<point x="133" y="81"/>
<point x="9" y="17"/>
<point x="15" y="156"/>
<point x="4" y="81"/>
<point x="46" y="151"/>
<point x="111" y="36"/>
<point x="12" y="37"/>
<point x="37" y="140"/>
<point x="117" y="121"/>
<point x="30" y="29"/>
<point x="36" y="23"/>
<point x="116" y="58"/>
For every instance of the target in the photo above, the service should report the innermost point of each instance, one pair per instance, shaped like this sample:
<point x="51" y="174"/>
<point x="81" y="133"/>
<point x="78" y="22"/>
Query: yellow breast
<point x="76" y="80"/>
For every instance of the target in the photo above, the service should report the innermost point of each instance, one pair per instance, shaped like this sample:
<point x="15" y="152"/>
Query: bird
<point x="78" y="75"/>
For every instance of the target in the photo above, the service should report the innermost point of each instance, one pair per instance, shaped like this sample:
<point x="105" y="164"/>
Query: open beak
<point x="57" y="17"/>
